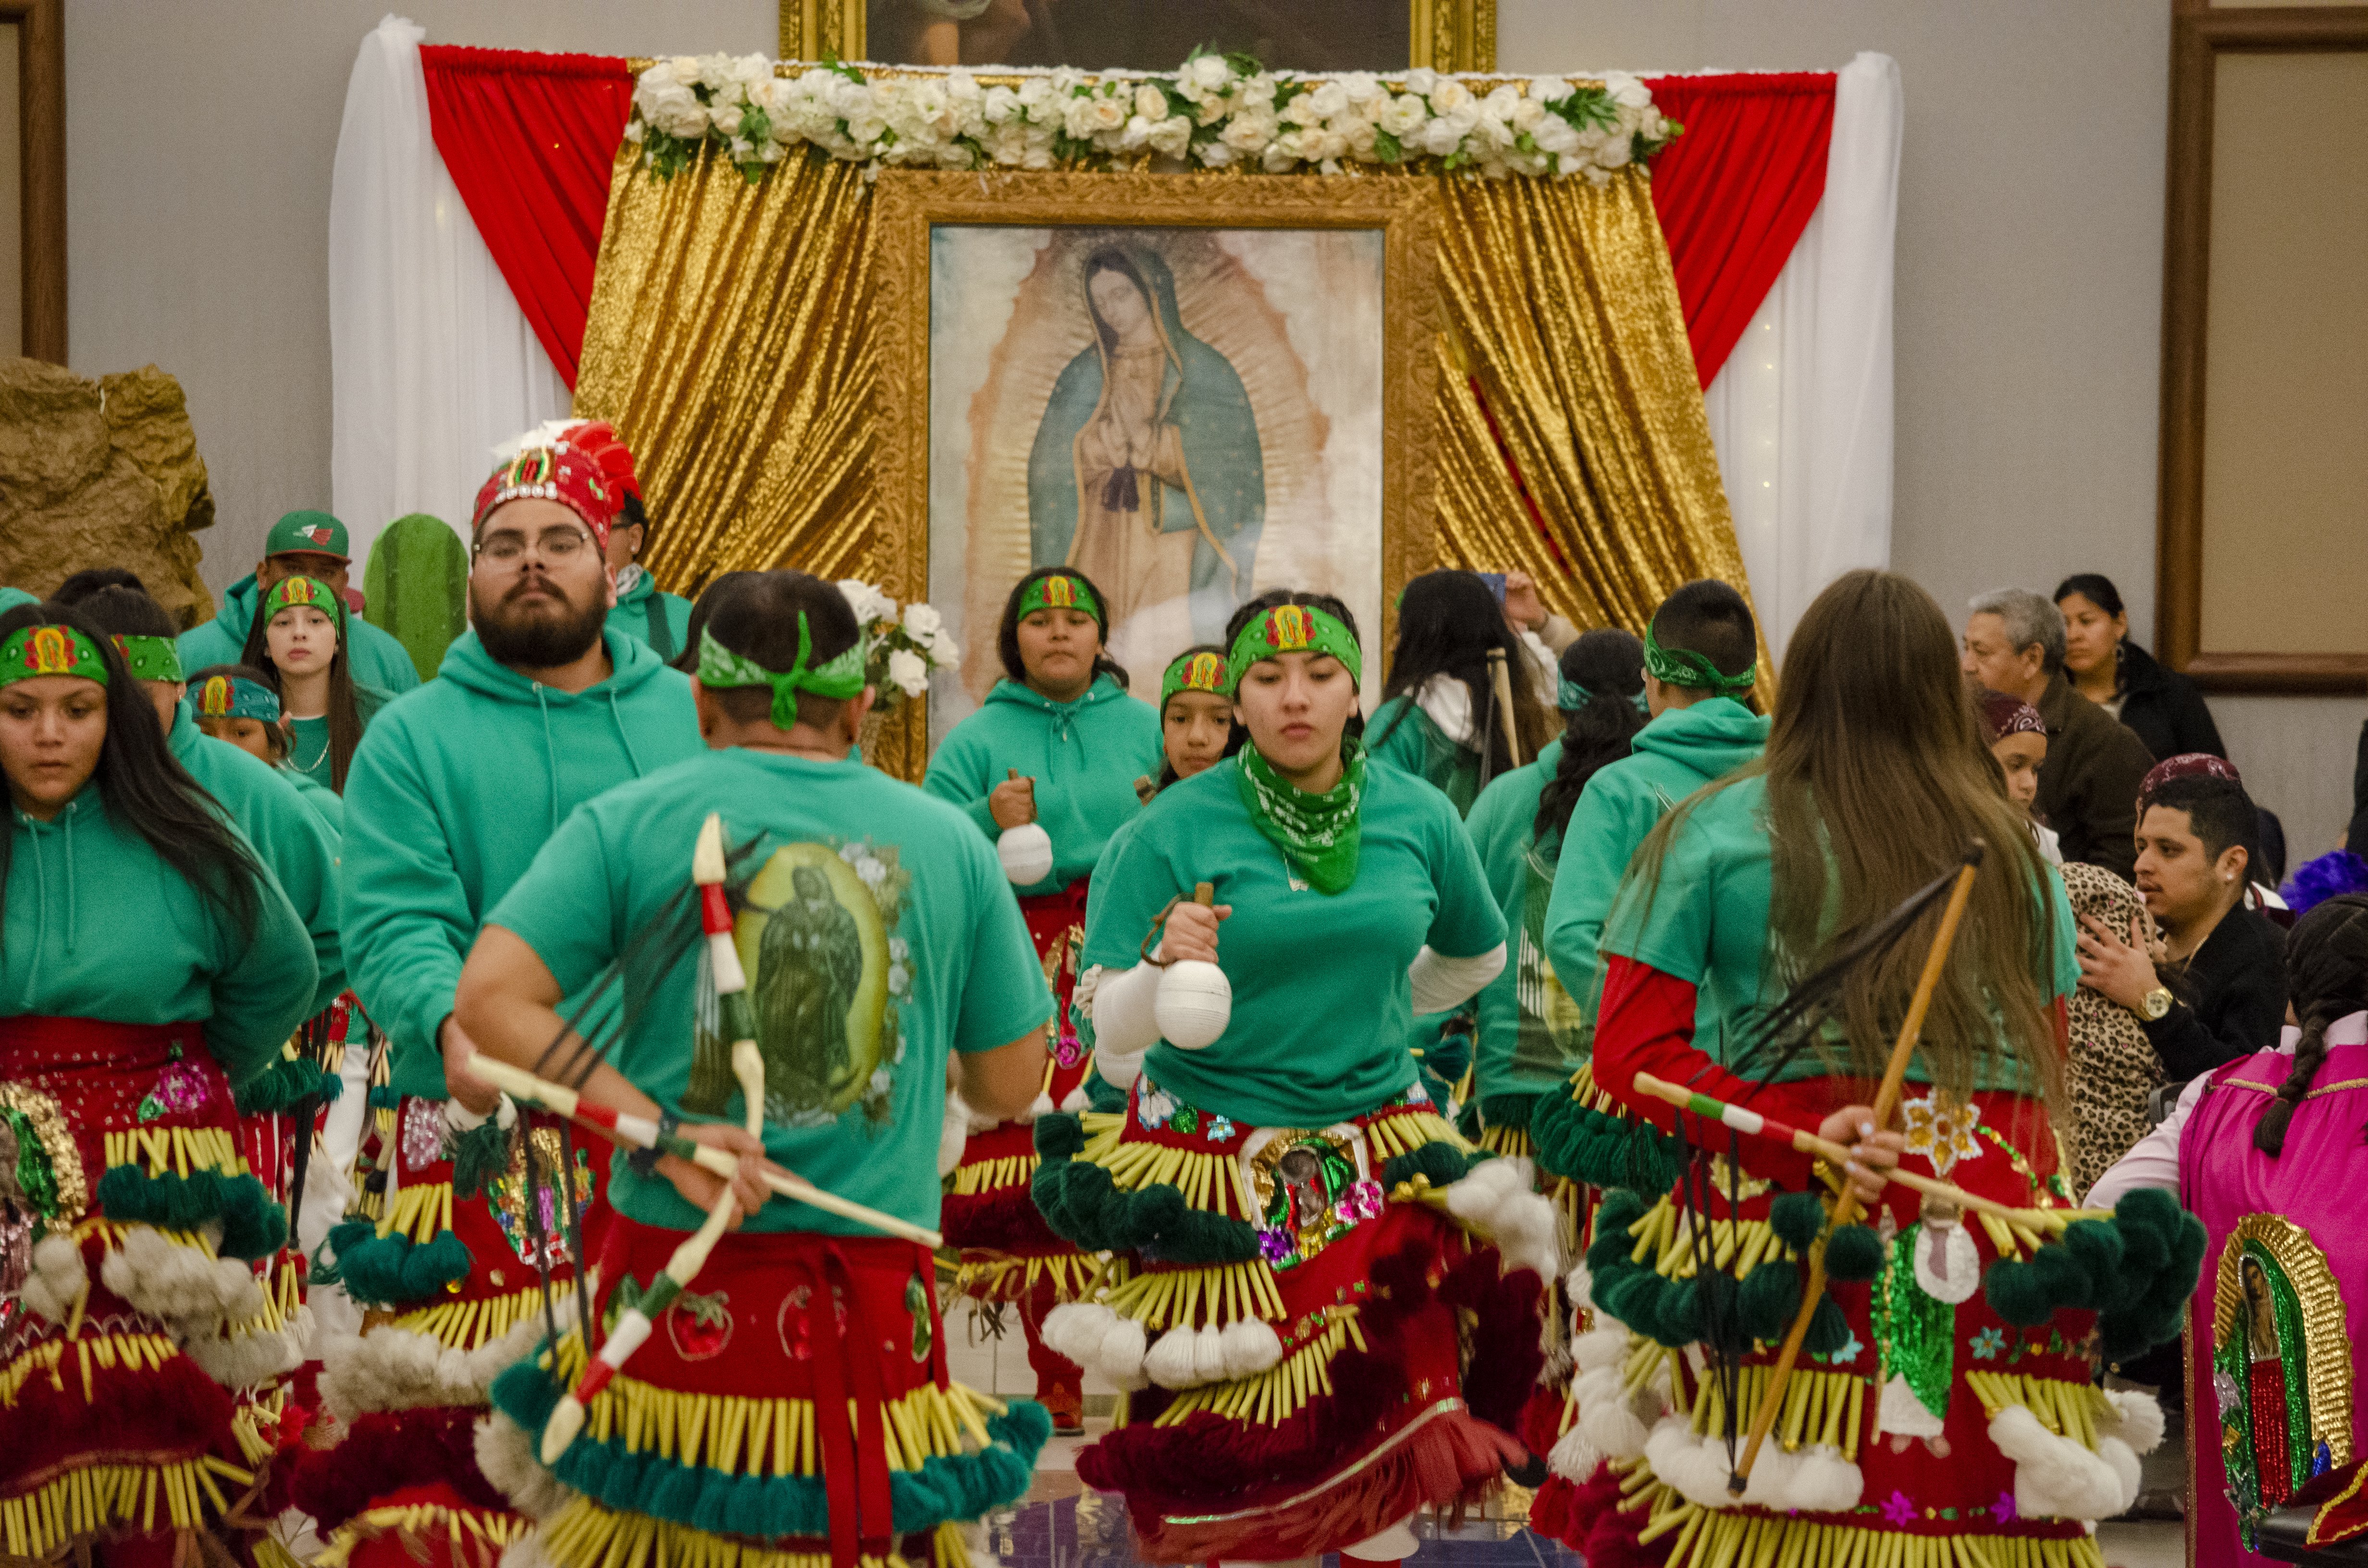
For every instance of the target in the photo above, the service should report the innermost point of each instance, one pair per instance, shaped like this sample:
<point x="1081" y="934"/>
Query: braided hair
<point x="2326" y="972"/>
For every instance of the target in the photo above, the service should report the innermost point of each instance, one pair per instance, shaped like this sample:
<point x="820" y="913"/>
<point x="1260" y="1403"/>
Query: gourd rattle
<point x="1026" y="851"/>
<point x="1195" y="1001"/>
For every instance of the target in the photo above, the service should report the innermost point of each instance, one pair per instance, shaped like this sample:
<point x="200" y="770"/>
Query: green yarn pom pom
<point x="1677" y="1316"/>
<point x="480" y="1157"/>
<point x="253" y="1226"/>
<point x="1619" y="1210"/>
<point x="1828" y="1329"/>
<point x="2018" y="1293"/>
<point x="1060" y="1136"/>
<point x="1797" y="1217"/>
<point x="1441" y="1161"/>
<point x="1853" y="1253"/>
<point x="1771" y="1295"/>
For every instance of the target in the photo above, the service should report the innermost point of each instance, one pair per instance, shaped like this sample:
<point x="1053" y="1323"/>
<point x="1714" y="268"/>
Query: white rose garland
<point x="1214" y="111"/>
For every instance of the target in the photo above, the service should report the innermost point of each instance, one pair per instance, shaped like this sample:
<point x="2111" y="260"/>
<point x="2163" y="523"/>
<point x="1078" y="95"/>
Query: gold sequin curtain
<point x="728" y="342"/>
<point x="1563" y="310"/>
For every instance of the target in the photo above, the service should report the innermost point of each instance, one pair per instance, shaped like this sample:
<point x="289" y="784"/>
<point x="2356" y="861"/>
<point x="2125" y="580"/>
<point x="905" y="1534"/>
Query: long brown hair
<point x="345" y="717"/>
<point x="1877" y="774"/>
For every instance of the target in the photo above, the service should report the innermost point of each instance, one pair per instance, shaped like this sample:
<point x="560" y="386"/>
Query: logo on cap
<point x="317" y="535"/>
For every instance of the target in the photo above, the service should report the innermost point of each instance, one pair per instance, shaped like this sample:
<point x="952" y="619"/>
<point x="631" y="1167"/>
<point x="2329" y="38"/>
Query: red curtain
<point x="1735" y="190"/>
<point x="529" y="139"/>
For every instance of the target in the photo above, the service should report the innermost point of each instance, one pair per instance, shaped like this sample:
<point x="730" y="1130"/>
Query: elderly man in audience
<point x="2089" y="785"/>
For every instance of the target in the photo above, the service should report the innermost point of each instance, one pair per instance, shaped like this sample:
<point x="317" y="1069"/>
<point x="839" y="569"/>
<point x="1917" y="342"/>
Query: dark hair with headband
<point x="1610" y="663"/>
<point x="2327" y="979"/>
<point x="274" y="730"/>
<point x="1708" y="620"/>
<point x="701" y="608"/>
<point x="1167" y="770"/>
<point x="1449" y="622"/>
<point x="91" y="579"/>
<point x="145" y="789"/>
<point x="347" y="714"/>
<point x="1007" y="630"/>
<point x="122" y="611"/>
<point x="1272" y="598"/>
<point x="2218" y="811"/>
<point x="759" y="620"/>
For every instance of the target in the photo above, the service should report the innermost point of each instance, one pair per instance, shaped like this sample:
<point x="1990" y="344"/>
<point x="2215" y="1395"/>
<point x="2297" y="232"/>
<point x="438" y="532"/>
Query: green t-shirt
<point x="880" y="934"/>
<point x="308" y="739"/>
<point x="1707" y="923"/>
<point x="1322" y="1006"/>
<point x="1401" y="734"/>
<point x="1528" y="1039"/>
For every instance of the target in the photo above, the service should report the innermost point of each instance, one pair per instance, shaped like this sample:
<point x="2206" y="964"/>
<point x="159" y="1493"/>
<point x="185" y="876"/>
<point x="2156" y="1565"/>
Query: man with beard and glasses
<point x="537" y="709"/>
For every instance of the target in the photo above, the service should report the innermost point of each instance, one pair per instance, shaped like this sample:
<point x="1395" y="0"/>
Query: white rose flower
<point x="675" y="109"/>
<point x="1259" y="89"/>
<point x="909" y="671"/>
<point x="944" y="653"/>
<point x="922" y="621"/>
<point x="1216" y="154"/>
<point x="1108" y="114"/>
<point x="1210" y="111"/>
<point x="1355" y="133"/>
<point x="1546" y="89"/>
<point x="1280" y="160"/>
<point x="1528" y="115"/>
<point x="1136" y="136"/>
<point x="961" y="86"/>
<point x="1249" y="131"/>
<point x="1626" y="90"/>
<point x="725" y="117"/>
<point x="1500" y="104"/>
<point x="1440" y="138"/>
<point x="1361" y="86"/>
<point x="684" y="69"/>
<point x="658" y="75"/>
<point x="1034" y="94"/>
<point x="1421" y="81"/>
<point x="1301" y="110"/>
<point x="1554" y="134"/>
<point x="1001" y="105"/>
<point x="867" y="602"/>
<point x="1077" y="118"/>
<point x="1449" y="96"/>
<point x="1613" y="153"/>
<point x="1402" y="117"/>
<point x="865" y="129"/>
<point x="1064" y="80"/>
<point x="1208" y="72"/>
<point x="1149" y="102"/>
<point x="715" y="73"/>
<point x="1330" y="98"/>
<point x="750" y="71"/>
<point x="1171" y="136"/>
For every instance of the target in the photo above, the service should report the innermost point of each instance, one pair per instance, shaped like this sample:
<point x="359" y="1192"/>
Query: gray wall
<point x="2028" y="315"/>
<point x="200" y="139"/>
<point x="2029" y="279"/>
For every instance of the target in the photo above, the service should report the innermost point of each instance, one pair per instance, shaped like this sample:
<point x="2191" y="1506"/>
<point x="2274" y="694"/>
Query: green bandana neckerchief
<point x="1318" y="834"/>
<point x="1060" y="591"/>
<point x="150" y="658"/>
<point x="720" y="669"/>
<point x="1683" y="666"/>
<point x="50" y="651"/>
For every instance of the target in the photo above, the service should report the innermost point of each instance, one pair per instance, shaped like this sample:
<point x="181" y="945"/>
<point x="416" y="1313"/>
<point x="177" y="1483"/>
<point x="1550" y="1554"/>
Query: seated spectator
<point x="2215" y="990"/>
<point x="2268" y="844"/>
<point x="2106" y="668"/>
<point x="2014" y="643"/>
<point x="2019" y="741"/>
<point x="2112" y="1069"/>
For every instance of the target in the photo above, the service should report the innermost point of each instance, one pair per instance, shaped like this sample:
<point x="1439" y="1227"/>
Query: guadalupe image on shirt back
<point x="826" y="973"/>
<point x="1188" y="416"/>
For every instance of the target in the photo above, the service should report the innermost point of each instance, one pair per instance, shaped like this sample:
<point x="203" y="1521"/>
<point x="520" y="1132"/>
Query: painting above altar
<point x="1187" y="416"/>
<point x="1139" y="35"/>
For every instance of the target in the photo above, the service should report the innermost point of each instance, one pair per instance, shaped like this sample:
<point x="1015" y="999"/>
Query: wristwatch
<point x="2154" y="1004"/>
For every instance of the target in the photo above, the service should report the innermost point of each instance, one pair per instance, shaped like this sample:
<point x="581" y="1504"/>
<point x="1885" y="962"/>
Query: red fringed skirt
<point x="128" y="1337"/>
<point x="1370" y="1356"/>
<point x="1006" y="1249"/>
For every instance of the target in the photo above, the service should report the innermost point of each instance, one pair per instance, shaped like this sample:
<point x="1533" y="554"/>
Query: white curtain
<point x="431" y="361"/>
<point x="1801" y="412"/>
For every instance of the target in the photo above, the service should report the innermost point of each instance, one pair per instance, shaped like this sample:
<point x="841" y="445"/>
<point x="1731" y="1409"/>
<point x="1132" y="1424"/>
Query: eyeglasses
<point x="554" y="544"/>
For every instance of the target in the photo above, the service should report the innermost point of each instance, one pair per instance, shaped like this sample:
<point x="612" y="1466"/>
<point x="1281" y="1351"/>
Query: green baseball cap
<point x="315" y="533"/>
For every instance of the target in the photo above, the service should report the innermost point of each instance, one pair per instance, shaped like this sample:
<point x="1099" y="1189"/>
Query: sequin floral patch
<point x="181" y="1089"/>
<point x="700" y="1326"/>
<point x="422" y="1133"/>
<point x="1940" y="1128"/>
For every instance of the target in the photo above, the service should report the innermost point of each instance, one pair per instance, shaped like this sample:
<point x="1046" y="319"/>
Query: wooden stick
<point x="1887" y="1105"/>
<point x="1500" y="676"/>
<point x="1751" y="1124"/>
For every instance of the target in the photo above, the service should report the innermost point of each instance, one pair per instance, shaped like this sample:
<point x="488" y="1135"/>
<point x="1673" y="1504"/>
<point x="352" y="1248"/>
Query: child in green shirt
<point x="1254" y="1190"/>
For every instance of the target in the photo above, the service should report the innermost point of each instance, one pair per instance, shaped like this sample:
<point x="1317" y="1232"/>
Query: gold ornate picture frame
<point x="911" y="207"/>
<point x="1445" y="35"/>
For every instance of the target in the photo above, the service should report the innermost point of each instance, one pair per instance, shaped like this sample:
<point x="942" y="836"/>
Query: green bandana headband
<point x="720" y="669"/>
<point x="150" y="658"/>
<point x="1296" y="629"/>
<point x="1060" y="592"/>
<point x="1687" y="668"/>
<point x="1202" y="671"/>
<point x="232" y="697"/>
<point x="50" y="651"/>
<point x="292" y="592"/>
<point x="1318" y="834"/>
<point x="1570" y="696"/>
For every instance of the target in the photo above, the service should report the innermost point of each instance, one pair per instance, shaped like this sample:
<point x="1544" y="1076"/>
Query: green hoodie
<point x="99" y="926"/>
<point x="1517" y="1053"/>
<point x="1409" y="739"/>
<point x="632" y="614"/>
<point x="453" y="789"/>
<point x="377" y="658"/>
<point x="1085" y="756"/>
<point x="1674" y="755"/>
<point x="327" y="803"/>
<point x="264" y="803"/>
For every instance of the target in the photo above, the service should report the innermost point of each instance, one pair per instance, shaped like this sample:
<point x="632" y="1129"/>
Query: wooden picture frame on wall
<point x="1445" y="35"/>
<point x="2202" y="39"/>
<point x="917" y="215"/>
<point x="41" y="175"/>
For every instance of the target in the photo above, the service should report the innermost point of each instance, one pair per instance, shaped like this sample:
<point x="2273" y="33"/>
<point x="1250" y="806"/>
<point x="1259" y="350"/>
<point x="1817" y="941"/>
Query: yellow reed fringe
<point x="420" y="1213"/>
<point x="1587" y="1092"/>
<point x="586" y="1535"/>
<point x="995" y="1278"/>
<point x="1096" y="1123"/>
<point x="1745" y="1538"/>
<point x="1820" y="1408"/>
<point x="1205" y="1179"/>
<point x="766" y="1437"/>
<point x="992" y="1175"/>
<point x="948" y="1546"/>
<point x="465" y="1325"/>
<point x="247" y="1424"/>
<point x="92" y="1499"/>
<point x="158" y="1151"/>
<point x="1397" y="1133"/>
<point x="2068" y="1409"/>
<point x="1220" y="1294"/>
<point x="1276" y="1394"/>
<point x="140" y="1352"/>
<point x="478" y="1533"/>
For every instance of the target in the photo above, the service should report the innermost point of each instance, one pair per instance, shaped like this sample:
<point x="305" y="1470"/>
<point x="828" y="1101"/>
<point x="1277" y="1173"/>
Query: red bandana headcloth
<point x="558" y="472"/>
